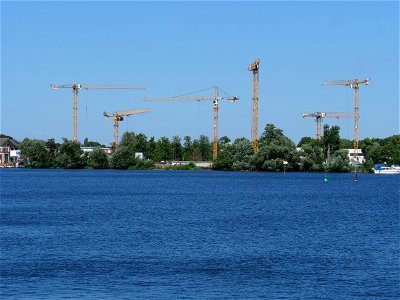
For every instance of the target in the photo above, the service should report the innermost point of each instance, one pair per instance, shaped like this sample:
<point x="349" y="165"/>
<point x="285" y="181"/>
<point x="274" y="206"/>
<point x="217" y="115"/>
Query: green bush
<point x="121" y="158"/>
<point x="97" y="159"/>
<point x="70" y="155"/>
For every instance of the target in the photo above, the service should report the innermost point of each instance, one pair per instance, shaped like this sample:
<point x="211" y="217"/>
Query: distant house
<point x="107" y="150"/>
<point x="9" y="150"/>
<point x="200" y="164"/>
<point x="351" y="155"/>
<point x="139" y="155"/>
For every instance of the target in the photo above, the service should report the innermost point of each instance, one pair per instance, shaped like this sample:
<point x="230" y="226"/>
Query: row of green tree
<point x="276" y="152"/>
<point x="69" y="155"/>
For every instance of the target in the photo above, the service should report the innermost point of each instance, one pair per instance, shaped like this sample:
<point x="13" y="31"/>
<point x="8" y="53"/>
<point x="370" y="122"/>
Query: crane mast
<point x="215" y="100"/>
<point x="354" y="84"/>
<point x="119" y="116"/>
<point x="215" y="142"/>
<point x="75" y="90"/>
<point x="254" y="127"/>
<point x="319" y="116"/>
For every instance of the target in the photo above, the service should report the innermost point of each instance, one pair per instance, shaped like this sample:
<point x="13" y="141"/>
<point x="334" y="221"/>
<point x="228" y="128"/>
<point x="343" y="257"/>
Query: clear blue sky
<point x="173" y="48"/>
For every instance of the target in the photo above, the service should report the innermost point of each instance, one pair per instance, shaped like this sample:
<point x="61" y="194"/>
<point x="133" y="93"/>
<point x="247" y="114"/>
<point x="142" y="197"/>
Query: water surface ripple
<point x="198" y="235"/>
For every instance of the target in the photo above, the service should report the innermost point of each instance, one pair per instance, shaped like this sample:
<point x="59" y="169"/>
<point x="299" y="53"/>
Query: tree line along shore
<point x="276" y="153"/>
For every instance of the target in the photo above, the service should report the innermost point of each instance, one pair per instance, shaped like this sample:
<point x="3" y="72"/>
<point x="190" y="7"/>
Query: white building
<point x="351" y="155"/>
<point x="139" y="155"/>
<point x="200" y="164"/>
<point x="107" y="150"/>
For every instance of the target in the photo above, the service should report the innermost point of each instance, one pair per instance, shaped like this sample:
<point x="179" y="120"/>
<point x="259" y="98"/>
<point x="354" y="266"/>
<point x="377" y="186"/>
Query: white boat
<point x="383" y="169"/>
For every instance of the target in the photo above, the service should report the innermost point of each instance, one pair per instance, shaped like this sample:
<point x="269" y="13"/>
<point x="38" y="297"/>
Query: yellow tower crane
<point x="118" y="116"/>
<point x="321" y="115"/>
<point x="254" y="128"/>
<point x="75" y="90"/>
<point x="354" y="84"/>
<point x="215" y="100"/>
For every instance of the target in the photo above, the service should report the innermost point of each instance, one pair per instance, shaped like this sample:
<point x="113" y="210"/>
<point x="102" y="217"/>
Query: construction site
<point x="215" y="100"/>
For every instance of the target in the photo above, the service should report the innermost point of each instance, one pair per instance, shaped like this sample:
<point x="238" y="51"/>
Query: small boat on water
<point x="383" y="169"/>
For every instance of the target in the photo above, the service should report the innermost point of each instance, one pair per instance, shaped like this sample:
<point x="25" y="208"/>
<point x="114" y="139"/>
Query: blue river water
<point x="107" y="234"/>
